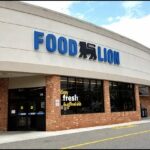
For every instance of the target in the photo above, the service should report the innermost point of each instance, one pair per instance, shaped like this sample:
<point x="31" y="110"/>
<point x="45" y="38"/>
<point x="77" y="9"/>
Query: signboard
<point x="57" y="102"/>
<point x="69" y="47"/>
<point x="69" y="101"/>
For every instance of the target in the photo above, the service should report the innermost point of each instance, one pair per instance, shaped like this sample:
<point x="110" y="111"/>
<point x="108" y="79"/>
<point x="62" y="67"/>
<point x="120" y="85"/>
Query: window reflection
<point x="79" y="95"/>
<point x="122" y="96"/>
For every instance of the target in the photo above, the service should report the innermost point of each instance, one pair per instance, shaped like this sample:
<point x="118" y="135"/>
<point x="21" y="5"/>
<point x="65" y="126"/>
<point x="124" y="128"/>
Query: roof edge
<point x="63" y="18"/>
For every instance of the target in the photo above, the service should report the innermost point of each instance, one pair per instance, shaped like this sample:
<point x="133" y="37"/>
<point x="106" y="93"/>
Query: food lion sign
<point x="73" y="48"/>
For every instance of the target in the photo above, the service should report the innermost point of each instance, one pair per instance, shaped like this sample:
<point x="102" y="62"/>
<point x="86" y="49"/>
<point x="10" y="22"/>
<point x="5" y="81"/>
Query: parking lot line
<point x="106" y="139"/>
<point x="124" y="127"/>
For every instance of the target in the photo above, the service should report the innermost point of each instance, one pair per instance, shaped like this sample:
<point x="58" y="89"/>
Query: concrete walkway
<point x="14" y="136"/>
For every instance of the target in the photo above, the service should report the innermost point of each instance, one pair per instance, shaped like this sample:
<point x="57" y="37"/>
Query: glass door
<point x="26" y="109"/>
<point x="21" y="116"/>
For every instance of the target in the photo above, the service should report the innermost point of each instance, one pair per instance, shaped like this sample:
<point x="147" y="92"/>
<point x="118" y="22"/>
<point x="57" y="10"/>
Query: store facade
<point x="57" y="72"/>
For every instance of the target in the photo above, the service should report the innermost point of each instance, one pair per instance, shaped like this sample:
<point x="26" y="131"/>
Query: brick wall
<point x="3" y="104"/>
<point x="52" y="94"/>
<point x="145" y="102"/>
<point x="56" y="121"/>
<point x="137" y="98"/>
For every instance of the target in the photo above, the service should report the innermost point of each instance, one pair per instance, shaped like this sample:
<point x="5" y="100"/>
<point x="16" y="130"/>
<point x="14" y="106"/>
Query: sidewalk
<point x="15" y="136"/>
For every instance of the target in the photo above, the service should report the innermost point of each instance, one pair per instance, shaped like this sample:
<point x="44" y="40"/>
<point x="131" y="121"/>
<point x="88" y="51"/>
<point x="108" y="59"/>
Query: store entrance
<point x="26" y="109"/>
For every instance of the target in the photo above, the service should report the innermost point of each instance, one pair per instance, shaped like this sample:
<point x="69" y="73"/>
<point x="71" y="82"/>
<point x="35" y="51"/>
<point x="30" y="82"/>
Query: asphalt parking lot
<point x="134" y="136"/>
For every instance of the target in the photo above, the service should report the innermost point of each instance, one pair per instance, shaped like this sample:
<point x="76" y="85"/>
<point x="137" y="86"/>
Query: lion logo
<point x="87" y="49"/>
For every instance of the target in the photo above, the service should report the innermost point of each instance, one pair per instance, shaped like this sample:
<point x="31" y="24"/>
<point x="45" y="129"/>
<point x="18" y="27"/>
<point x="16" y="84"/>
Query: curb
<point x="14" y="136"/>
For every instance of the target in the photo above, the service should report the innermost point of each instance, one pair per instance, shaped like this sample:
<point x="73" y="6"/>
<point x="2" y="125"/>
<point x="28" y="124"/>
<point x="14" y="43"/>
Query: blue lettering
<point x="110" y="56"/>
<point x="99" y="54"/>
<point x="62" y="45"/>
<point x="51" y="42"/>
<point x="38" y="39"/>
<point x="116" y="58"/>
<point x="105" y="55"/>
<point x="72" y="47"/>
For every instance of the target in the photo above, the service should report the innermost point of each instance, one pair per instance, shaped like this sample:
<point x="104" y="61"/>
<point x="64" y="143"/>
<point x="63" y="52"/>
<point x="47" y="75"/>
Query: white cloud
<point x="118" y="18"/>
<point x="133" y="28"/>
<point x="60" y="6"/>
<point x="84" y="14"/>
<point x="132" y="25"/>
<point x="131" y="4"/>
<point x="110" y="19"/>
<point x="132" y="8"/>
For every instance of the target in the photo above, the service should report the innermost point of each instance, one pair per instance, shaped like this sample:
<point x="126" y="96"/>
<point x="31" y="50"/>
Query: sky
<point x="128" y="18"/>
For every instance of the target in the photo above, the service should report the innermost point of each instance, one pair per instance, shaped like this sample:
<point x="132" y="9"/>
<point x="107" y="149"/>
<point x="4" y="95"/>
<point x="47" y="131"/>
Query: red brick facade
<point x="56" y="121"/>
<point x="3" y="104"/>
<point x="52" y="112"/>
<point x="145" y="102"/>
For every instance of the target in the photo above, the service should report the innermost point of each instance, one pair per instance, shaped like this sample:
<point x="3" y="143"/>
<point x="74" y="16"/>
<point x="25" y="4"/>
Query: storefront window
<point x="79" y="95"/>
<point x="122" y="97"/>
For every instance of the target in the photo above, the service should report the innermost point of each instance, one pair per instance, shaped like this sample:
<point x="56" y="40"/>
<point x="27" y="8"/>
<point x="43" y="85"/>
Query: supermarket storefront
<point x="77" y="98"/>
<point x="57" y="72"/>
